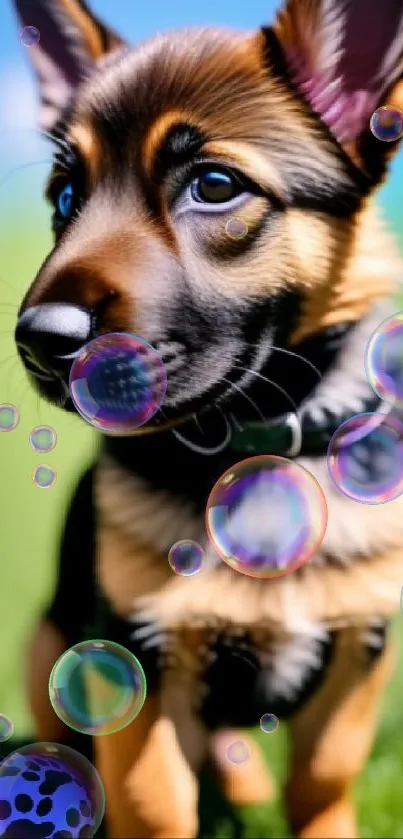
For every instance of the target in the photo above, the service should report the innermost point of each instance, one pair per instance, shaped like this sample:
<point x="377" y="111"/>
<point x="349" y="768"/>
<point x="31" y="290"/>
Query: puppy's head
<point x="201" y="177"/>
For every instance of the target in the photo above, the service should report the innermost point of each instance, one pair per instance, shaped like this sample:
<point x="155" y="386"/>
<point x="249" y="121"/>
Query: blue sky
<point x="136" y="19"/>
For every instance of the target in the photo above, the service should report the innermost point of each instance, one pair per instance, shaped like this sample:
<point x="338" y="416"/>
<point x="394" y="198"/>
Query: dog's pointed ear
<point x="71" y="41"/>
<point x="346" y="58"/>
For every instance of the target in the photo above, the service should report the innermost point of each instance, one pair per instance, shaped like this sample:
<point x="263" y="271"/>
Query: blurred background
<point x="30" y="517"/>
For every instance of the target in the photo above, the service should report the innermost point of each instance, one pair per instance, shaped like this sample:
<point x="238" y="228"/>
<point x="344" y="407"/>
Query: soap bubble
<point x="49" y="790"/>
<point x="97" y="687"/>
<point x="266" y="516"/>
<point x="118" y="382"/>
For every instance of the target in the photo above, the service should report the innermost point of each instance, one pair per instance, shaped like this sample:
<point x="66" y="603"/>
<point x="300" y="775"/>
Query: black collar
<point x="289" y="436"/>
<point x="169" y="461"/>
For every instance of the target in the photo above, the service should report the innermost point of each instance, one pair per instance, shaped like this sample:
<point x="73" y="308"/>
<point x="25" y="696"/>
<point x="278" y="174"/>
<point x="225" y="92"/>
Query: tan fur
<point x="372" y="268"/>
<point x="244" y="783"/>
<point x="90" y="33"/>
<point x="148" y="775"/>
<point x="157" y="133"/>
<point x="89" y="28"/>
<point x="330" y="740"/>
<point x="139" y="527"/>
<point x="85" y="140"/>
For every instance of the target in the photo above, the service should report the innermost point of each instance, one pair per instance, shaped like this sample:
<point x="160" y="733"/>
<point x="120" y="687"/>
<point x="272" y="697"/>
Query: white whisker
<point x="235" y="422"/>
<point x="194" y="447"/>
<point x="58" y="141"/>
<point x="270" y="382"/>
<point x="22" y="166"/>
<point x="300" y="358"/>
<point x="297" y="356"/>
<point x="196" y="420"/>
<point x="246" y="397"/>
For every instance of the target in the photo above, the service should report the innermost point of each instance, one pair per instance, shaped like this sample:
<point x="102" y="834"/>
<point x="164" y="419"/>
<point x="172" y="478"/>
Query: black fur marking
<point x="241" y="691"/>
<point x="166" y="464"/>
<point x="180" y="145"/>
<point x="76" y="577"/>
<point x="91" y="616"/>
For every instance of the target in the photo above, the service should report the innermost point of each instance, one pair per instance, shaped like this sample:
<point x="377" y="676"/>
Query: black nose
<point x="49" y="336"/>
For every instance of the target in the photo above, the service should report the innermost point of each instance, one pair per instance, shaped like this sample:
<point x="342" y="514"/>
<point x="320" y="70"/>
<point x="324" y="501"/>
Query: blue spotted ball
<point x="51" y="791"/>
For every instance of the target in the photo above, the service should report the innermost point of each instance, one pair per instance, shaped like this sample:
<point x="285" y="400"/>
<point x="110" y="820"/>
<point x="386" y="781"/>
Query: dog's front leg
<point x="149" y="769"/>
<point x="331" y="739"/>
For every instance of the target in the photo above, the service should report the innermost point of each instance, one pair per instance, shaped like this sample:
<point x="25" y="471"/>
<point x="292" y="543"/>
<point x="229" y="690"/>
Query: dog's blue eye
<point x="65" y="201"/>
<point x="215" y="187"/>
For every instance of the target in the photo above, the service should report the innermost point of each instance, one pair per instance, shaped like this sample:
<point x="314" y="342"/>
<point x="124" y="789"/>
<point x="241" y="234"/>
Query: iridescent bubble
<point x="29" y="36"/>
<point x="238" y="752"/>
<point x="9" y="417"/>
<point x="269" y="723"/>
<point x="44" y="476"/>
<point x="186" y="557"/>
<point x="384" y="360"/>
<point x="387" y="124"/>
<point x="43" y="438"/>
<point x="266" y="516"/>
<point x="6" y="728"/>
<point x="97" y="687"/>
<point x="51" y="790"/>
<point x="236" y="228"/>
<point x="365" y="458"/>
<point x="117" y="383"/>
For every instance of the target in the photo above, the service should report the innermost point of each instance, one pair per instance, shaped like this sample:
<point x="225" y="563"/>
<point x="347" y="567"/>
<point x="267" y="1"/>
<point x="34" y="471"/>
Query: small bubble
<point x="384" y="360"/>
<point x="44" y="476"/>
<point x="186" y="557"/>
<point x="365" y="458"/>
<point x="9" y="417"/>
<point x="29" y="36"/>
<point x="43" y="438"/>
<point x="6" y="728"/>
<point x="236" y="228"/>
<point x="387" y="124"/>
<point x="268" y="723"/>
<point x="238" y="752"/>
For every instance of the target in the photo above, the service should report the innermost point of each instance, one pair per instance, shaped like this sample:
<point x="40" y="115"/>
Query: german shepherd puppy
<point x="158" y="147"/>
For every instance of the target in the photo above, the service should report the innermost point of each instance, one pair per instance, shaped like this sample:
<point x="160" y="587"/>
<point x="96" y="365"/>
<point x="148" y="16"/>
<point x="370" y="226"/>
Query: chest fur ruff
<point x="356" y="574"/>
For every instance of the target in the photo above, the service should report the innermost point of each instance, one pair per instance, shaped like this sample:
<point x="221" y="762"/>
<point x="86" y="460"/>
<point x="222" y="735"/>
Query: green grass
<point x="30" y="518"/>
<point x="30" y="521"/>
